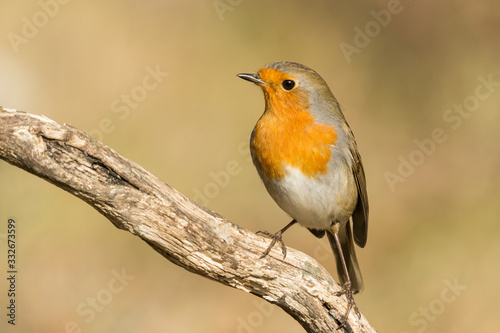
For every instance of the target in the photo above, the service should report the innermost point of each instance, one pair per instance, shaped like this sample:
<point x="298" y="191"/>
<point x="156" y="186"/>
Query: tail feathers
<point x="347" y="245"/>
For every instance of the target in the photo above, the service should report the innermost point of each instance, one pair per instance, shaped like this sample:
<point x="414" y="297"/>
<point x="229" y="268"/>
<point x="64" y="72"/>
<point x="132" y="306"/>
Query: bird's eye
<point x="288" y="84"/>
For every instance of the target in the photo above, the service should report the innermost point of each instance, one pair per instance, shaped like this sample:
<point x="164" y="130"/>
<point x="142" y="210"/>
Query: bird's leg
<point x="347" y="288"/>
<point x="277" y="237"/>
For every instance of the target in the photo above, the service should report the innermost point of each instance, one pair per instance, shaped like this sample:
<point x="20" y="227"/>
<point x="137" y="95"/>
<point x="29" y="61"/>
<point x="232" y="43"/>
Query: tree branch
<point x="185" y="233"/>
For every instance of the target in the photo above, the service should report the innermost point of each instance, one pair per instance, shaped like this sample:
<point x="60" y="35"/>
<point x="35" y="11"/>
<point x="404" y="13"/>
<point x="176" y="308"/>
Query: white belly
<point x="315" y="202"/>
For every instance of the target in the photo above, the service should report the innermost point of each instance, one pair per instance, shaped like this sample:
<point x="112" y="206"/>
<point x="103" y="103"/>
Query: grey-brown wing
<point x="360" y="214"/>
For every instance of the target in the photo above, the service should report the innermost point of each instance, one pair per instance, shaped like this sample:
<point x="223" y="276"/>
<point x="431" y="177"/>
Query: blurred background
<point x="155" y="80"/>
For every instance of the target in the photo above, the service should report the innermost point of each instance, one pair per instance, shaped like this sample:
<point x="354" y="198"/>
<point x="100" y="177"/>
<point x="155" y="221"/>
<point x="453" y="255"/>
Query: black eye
<point x="288" y="84"/>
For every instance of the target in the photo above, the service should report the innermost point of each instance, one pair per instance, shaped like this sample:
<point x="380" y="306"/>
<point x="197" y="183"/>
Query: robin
<point x="308" y="159"/>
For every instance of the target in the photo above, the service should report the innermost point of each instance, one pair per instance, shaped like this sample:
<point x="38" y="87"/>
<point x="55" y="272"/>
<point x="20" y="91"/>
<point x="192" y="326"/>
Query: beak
<point x="255" y="78"/>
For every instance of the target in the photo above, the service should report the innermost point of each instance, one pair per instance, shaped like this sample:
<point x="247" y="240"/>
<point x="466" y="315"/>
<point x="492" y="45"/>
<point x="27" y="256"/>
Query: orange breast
<point x="287" y="135"/>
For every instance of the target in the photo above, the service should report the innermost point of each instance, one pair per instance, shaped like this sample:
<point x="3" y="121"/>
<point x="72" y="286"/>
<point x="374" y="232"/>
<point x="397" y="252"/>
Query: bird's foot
<point x="351" y="304"/>
<point x="276" y="238"/>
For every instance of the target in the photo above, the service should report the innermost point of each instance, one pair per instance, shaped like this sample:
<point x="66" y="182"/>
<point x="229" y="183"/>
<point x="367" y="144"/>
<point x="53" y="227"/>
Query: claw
<point x="277" y="237"/>
<point x="351" y="304"/>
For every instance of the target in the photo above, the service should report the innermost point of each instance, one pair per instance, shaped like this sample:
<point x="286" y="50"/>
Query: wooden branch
<point x="185" y="233"/>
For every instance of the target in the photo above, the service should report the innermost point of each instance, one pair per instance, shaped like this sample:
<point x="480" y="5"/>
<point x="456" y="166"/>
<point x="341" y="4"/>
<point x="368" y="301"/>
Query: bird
<point x="307" y="157"/>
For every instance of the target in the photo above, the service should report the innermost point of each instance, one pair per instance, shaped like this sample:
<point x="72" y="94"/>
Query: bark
<point x="184" y="232"/>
